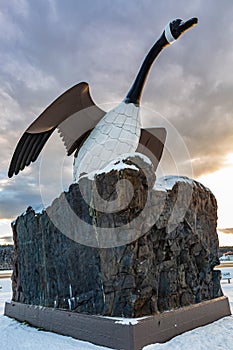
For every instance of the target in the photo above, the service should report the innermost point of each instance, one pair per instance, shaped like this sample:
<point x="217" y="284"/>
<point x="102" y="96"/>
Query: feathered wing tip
<point x="74" y="112"/>
<point x="27" y="150"/>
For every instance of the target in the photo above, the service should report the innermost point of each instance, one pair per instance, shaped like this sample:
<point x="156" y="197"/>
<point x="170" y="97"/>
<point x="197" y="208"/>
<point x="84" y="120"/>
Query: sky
<point x="47" y="46"/>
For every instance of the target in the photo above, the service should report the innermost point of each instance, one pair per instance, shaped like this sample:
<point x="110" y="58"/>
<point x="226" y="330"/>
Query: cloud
<point x="14" y="198"/>
<point x="48" y="46"/>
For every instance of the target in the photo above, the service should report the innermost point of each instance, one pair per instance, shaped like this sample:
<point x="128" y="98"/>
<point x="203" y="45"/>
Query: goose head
<point x="172" y="32"/>
<point x="177" y="27"/>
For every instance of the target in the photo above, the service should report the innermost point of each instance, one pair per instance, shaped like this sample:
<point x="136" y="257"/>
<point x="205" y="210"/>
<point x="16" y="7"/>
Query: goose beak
<point x="186" y="25"/>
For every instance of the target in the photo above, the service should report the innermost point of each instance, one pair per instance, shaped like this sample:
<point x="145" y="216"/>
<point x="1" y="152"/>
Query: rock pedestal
<point x="138" y="249"/>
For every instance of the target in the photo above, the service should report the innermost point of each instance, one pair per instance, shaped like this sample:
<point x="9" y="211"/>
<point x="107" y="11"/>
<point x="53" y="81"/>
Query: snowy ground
<point x="16" y="336"/>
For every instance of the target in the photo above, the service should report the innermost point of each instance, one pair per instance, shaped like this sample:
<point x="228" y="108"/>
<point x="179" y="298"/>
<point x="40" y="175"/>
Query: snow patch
<point x="118" y="164"/>
<point x="217" y="335"/>
<point x="165" y="183"/>
<point x="127" y="321"/>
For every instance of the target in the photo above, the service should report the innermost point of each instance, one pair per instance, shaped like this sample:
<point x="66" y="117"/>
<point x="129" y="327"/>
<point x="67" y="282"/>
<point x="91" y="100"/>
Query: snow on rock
<point x="119" y="164"/>
<point x="165" y="183"/>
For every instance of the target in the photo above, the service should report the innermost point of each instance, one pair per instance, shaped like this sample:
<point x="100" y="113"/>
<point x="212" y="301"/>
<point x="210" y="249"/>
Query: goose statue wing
<point x="151" y="143"/>
<point x="74" y="114"/>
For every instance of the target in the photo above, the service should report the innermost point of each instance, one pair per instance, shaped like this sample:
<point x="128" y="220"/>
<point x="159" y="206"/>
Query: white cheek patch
<point x="170" y="38"/>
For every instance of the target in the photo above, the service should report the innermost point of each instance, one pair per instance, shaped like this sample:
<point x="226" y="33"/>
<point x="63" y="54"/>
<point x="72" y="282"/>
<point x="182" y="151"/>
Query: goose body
<point x="98" y="137"/>
<point x="118" y="132"/>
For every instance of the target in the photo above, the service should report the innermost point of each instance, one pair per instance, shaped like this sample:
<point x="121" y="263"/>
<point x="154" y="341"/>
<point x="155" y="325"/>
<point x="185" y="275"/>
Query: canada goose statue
<point x="96" y="136"/>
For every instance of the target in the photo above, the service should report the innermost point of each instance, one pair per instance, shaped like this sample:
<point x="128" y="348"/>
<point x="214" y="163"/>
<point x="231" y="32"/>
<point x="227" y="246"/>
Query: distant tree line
<point x="6" y="257"/>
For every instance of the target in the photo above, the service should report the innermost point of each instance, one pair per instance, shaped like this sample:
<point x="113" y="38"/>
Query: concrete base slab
<point x="128" y="334"/>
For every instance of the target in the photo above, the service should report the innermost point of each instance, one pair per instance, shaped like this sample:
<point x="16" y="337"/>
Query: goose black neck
<point x="134" y="94"/>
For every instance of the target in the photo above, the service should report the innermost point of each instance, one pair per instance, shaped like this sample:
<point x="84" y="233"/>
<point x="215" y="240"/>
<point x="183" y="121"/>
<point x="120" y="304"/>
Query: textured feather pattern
<point x="72" y="129"/>
<point x="117" y="132"/>
<point x="27" y="150"/>
<point x="74" y="113"/>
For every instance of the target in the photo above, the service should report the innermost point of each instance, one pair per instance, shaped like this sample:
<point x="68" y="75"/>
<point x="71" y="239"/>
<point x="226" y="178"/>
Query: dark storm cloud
<point x="47" y="46"/>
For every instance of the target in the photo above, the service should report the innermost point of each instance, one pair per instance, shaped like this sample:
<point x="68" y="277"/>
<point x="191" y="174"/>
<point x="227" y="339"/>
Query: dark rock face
<point x="155" y="254"/>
